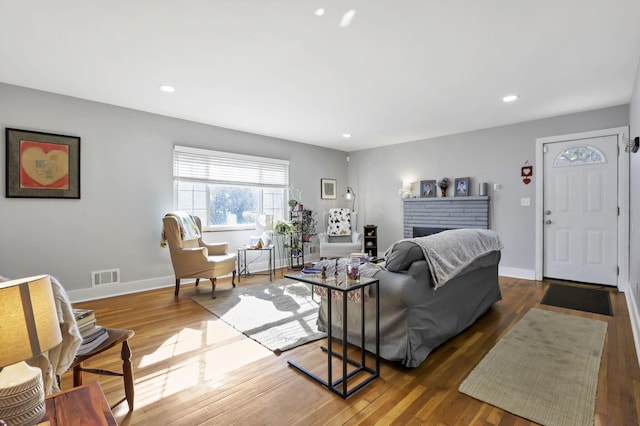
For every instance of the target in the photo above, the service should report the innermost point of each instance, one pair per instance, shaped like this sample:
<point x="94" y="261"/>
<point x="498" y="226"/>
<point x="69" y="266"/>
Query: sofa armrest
<point x="356" y="237"/>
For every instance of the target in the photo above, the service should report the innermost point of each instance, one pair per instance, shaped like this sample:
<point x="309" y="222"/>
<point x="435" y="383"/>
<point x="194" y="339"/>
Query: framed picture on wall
<point x="427" y="188"/>
<point x="461" y="187"/>
<point x="328" y="189"/>
<point x="42" y="165"/>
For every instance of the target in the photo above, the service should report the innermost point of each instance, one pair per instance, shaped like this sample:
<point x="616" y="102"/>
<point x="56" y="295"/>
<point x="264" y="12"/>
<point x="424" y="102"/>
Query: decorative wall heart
<point x="45" y="168"/>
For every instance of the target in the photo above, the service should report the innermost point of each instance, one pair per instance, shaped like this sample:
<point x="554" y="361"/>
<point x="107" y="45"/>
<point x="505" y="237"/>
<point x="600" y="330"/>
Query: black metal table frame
<point x="334" y="385"/>
<point x="243" y="267"/>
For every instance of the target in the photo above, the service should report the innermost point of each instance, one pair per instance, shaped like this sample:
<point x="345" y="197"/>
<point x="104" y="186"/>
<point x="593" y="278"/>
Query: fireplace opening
<point x="423" y="231"/>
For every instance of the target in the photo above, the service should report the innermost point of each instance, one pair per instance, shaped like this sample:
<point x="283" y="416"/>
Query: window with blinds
<point x="227" y="190"/>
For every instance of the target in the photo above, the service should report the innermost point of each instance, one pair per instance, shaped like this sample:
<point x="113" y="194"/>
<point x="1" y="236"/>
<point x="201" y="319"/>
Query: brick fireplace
<point x="429" y="215"/>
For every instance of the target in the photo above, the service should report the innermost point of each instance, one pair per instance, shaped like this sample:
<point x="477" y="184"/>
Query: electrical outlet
<point x="525" y="202"/>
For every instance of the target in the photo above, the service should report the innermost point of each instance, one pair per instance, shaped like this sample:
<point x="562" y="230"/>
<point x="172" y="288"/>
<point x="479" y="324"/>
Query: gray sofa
<point x="416" y="317"/>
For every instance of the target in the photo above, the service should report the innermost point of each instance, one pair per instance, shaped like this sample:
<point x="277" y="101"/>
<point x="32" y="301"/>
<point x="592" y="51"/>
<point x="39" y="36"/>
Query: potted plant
<point x="284" y="227"/>
<point x="308" y="226"/>
<point x="292" y="204"/>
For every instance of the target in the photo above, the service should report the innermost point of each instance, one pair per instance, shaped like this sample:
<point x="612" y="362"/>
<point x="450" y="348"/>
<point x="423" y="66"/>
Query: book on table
<point x="92" y="340"/>
<point x="87" y="328"/>
<point x="84" y="316"/>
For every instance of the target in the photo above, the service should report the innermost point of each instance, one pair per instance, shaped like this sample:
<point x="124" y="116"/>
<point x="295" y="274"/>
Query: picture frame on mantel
<point x="328" y="189"/>
<point x="42" y="165"/>
<point x="428" y="188"/>
<point x="461" y="187"/>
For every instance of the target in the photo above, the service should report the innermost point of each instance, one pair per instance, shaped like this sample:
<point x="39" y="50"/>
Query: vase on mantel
<point x="443" y="191"/>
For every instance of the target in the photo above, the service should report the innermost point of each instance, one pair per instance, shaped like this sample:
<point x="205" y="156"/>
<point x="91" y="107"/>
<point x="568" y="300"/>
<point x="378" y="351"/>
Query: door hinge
<point x="618" y="211"/>
<point x="617" y="270"/>
<point x="544" y="149"/>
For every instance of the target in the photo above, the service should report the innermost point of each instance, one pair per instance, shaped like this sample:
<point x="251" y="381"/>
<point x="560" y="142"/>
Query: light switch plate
<point x="525" y="202"/>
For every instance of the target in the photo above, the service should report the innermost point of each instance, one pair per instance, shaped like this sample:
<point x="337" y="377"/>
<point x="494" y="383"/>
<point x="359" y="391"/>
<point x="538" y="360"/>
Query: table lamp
<point x="28" y="327"/>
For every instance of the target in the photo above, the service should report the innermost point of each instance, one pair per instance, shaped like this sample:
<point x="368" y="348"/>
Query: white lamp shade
<point x="264" y="222"/>
<point x="29" y="323"/>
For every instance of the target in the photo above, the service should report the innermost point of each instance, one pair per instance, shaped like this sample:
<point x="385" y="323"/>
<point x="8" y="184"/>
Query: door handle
<point x="547" y="212"/>
<point x="548" y="222"/>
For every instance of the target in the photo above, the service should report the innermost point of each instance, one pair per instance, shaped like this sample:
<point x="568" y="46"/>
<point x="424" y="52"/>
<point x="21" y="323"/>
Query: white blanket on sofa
<point x="449" y="252"/>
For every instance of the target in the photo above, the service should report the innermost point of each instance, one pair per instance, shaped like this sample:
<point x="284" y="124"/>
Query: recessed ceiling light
<point x="346" y="135"/>
<point x="167" y="89"/>
<point x="347" y="18"/>
<point x="510" y="98"/>
<point x="319" y="12"/>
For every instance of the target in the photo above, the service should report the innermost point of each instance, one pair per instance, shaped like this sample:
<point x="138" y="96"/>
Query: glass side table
<point x="243" y="265"/>
<point x="343" y="285"/>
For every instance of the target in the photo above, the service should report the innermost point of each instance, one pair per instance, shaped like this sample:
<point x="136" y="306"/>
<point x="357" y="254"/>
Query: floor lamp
<point x="350" y="196"/>
<point x="28" y="328"/>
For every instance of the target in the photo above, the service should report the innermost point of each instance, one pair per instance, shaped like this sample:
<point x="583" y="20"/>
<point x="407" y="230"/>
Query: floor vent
<point x="109" y="276"/>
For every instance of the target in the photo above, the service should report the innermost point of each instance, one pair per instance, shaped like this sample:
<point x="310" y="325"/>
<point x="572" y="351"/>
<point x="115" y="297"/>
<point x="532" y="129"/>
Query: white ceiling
<point x="403" y="70"/>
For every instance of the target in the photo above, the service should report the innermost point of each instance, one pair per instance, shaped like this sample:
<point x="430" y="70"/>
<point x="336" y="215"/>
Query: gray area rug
<point x="544" y="369"/>
<point x="279" y="315"/>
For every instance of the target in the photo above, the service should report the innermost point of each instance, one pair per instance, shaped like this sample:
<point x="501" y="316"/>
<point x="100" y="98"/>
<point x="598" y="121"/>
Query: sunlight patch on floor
<point x="185" y="341"/>
<point x="230" y="357"/>
<point x="218" y="350"/>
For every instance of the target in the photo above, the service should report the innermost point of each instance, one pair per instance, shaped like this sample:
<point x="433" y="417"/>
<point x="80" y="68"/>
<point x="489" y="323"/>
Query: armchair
<point x="193" y="258"/>
<point x="341" y="238"/>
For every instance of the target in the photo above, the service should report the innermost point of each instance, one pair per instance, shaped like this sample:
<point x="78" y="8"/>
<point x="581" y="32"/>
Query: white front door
<point x="580" y="205"/>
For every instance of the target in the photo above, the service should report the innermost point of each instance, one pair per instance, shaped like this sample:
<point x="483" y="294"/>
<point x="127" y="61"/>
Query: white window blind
<point x="203" y="165"/>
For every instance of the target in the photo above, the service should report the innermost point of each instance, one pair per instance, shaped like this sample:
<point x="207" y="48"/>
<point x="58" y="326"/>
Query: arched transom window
<point x="579" y="155"/>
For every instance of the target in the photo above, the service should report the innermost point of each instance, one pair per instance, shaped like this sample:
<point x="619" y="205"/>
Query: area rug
<point x="544" y="369"/>
<point x="580" y="298"/>
<point x="279" y="315"/>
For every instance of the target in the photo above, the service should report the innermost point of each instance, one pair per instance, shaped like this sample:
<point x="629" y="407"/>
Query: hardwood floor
<point x="193" y="369"/>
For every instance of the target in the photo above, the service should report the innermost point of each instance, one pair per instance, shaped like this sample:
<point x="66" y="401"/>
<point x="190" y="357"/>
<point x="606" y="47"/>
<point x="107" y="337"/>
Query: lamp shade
<point x="29" y="324"/>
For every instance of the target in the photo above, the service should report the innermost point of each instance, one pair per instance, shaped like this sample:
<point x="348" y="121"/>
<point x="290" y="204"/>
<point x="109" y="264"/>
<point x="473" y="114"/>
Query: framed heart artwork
<point x="42" y="165"/>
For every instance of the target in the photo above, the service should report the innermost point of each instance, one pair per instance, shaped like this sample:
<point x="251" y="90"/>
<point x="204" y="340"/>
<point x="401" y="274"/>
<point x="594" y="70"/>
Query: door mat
<point x="579" y="298"/>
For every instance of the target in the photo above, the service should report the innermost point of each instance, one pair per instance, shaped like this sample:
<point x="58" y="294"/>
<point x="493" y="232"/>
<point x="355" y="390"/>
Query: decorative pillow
<point x="339" y="222"/>
<point x="403" y="254"/>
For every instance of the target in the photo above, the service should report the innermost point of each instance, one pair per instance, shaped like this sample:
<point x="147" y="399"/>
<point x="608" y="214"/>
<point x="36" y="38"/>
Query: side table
<point x="116" y="336"/>
<point x="343" y="286"/>
<point x="80" y="406"/>
<point x="243" y="266"/>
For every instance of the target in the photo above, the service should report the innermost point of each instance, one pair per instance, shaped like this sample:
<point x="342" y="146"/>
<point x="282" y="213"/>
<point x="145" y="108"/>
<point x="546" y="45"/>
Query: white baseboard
<point x="525" y="274"/>
<point x="119" y="289"/>
<point x="634" y="318"/>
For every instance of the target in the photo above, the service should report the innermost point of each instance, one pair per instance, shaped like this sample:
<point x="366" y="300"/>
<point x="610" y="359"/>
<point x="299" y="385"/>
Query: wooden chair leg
<point x="127" y="373"/>
<point x="213" y="288"/>
<point x="177" y="287"/>
<point x="233" y="278"/>
<point x="197" y="281"/>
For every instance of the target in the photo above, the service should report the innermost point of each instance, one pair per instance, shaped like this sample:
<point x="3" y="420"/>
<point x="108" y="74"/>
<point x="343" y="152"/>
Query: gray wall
<point x="126" y="188"/>
<point x="492" y="155"/>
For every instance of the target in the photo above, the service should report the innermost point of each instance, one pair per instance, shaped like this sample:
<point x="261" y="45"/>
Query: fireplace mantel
<point x="445" y="212"/>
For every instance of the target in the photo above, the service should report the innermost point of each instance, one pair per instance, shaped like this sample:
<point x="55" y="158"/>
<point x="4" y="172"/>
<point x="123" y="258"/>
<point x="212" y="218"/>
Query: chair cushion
<point x="340" y="239"/>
